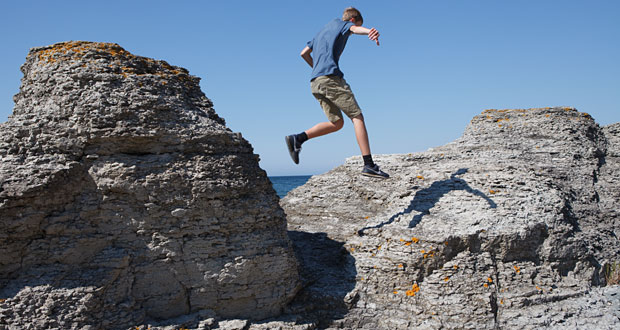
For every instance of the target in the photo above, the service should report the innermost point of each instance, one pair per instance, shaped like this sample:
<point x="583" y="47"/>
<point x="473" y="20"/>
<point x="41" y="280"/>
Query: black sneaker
<point x="374" y="171"/>
<point x="293" y="150"/>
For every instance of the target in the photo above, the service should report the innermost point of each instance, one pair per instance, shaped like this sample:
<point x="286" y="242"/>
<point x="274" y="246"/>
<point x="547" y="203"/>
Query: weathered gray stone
<point x="124" y="198"/>
<point x="508" y="226"/>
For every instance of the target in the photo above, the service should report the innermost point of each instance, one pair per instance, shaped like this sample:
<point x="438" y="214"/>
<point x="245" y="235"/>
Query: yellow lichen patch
<point x="455" y="267"/>
<point x="74" y="49"/>
<point x="517" y="269"/>
<point x="415" y="288"/>
<point x="501" y="301"/>
<point x="446" y="279"/>
<point x="493" y="192"/>
<point x="402" y="240"/>
<point x="420" y="177"/>
<point x="407" y="243"/>
<point x="395" y="292"/>
<point x="400" y="266"/>
<point x="485" y="285"/>
<point x="352" y="249"/>
<point x="2" y="300"/>
<point x="366" y="218"/>
<point x="490" y="280"/>
<point x="415" y="240"/>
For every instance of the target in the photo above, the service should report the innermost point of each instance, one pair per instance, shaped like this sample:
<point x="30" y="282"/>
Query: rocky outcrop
<point x="510" y="226"/>
<point x="124" y="198"/>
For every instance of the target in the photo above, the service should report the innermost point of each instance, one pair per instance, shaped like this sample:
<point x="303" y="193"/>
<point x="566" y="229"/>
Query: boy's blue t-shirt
<point x="327" y="46"/>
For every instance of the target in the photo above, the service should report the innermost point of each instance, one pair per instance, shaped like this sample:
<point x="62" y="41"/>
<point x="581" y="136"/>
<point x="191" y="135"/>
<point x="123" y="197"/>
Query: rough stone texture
<point x="124" y="198"/>
<point x="509" y="226"/>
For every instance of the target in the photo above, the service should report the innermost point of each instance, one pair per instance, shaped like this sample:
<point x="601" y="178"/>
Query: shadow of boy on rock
<point x="425" y="199"/>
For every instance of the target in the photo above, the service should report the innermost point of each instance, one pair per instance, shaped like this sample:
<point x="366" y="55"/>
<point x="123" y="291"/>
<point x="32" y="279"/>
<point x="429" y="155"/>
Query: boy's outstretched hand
<point x="374" y="35"/>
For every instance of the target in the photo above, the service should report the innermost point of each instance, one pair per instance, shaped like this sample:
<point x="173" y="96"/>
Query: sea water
<point x="284" y="184"/>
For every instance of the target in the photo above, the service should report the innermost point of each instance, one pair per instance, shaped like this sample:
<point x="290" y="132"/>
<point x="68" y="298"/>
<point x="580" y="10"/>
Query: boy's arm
<point x="373" y="34"/>
<point x="305" y="54"/>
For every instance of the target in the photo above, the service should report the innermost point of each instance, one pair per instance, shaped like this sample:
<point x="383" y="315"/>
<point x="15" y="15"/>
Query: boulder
<point x="512" y="225"/>
<point x="124" y="198"/>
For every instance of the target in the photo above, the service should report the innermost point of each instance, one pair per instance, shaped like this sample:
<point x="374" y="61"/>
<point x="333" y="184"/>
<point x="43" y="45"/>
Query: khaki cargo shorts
<point x="334" y="94"/>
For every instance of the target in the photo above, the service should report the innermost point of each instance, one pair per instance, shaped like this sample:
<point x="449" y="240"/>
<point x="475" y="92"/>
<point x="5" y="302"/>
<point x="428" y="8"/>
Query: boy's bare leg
<point x="370" y="168"/>
<point x="361" y="134"/>
<point x="324" y="128"/>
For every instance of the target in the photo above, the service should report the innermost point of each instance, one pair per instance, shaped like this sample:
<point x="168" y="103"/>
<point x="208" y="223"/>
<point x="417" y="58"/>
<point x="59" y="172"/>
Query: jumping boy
<point x="332" y="91"/>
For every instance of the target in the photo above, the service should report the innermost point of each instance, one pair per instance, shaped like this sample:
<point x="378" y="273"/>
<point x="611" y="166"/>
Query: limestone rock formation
<point x="510" y="226"/>
<point x="124" y="198"/>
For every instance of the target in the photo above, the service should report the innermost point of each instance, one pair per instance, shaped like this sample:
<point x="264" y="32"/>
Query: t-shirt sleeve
<point x="346" y="29"/>
<point x="310" y="43"/>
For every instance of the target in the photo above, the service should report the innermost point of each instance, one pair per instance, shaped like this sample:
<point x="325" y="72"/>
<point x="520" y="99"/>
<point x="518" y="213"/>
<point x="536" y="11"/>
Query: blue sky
<point x="439" y="64"/>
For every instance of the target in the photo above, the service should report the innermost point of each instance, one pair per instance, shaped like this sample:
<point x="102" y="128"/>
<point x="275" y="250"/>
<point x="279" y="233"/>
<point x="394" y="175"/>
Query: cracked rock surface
<point x="124" y="198"/>
<point x="509" y="226"/>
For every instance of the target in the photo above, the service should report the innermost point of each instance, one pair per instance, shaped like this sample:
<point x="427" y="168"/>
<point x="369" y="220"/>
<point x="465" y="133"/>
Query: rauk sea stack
<point x="125" y="198"/>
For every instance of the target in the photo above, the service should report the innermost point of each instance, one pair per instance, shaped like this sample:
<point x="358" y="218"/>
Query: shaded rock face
<point x="124" y="198"/>
<point x="509" y="226"/>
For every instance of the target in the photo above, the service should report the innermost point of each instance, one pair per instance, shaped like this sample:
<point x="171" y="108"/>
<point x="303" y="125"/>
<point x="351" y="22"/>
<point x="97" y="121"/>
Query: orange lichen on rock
<point x="94" y="51"/>
<point x="75" y="49"/>
<point x="414" y="289"/>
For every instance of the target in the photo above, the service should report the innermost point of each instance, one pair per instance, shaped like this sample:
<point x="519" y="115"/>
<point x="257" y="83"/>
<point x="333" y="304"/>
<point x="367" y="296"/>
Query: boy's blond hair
<point x="352" y="13"/>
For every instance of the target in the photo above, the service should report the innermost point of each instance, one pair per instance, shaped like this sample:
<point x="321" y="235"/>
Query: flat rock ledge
<point x="125" y="200"/>
<point x="513" y="225"/>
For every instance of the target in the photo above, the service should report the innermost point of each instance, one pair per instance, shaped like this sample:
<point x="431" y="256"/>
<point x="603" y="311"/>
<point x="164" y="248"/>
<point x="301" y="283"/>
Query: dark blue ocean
<point x="284" y="184"/>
